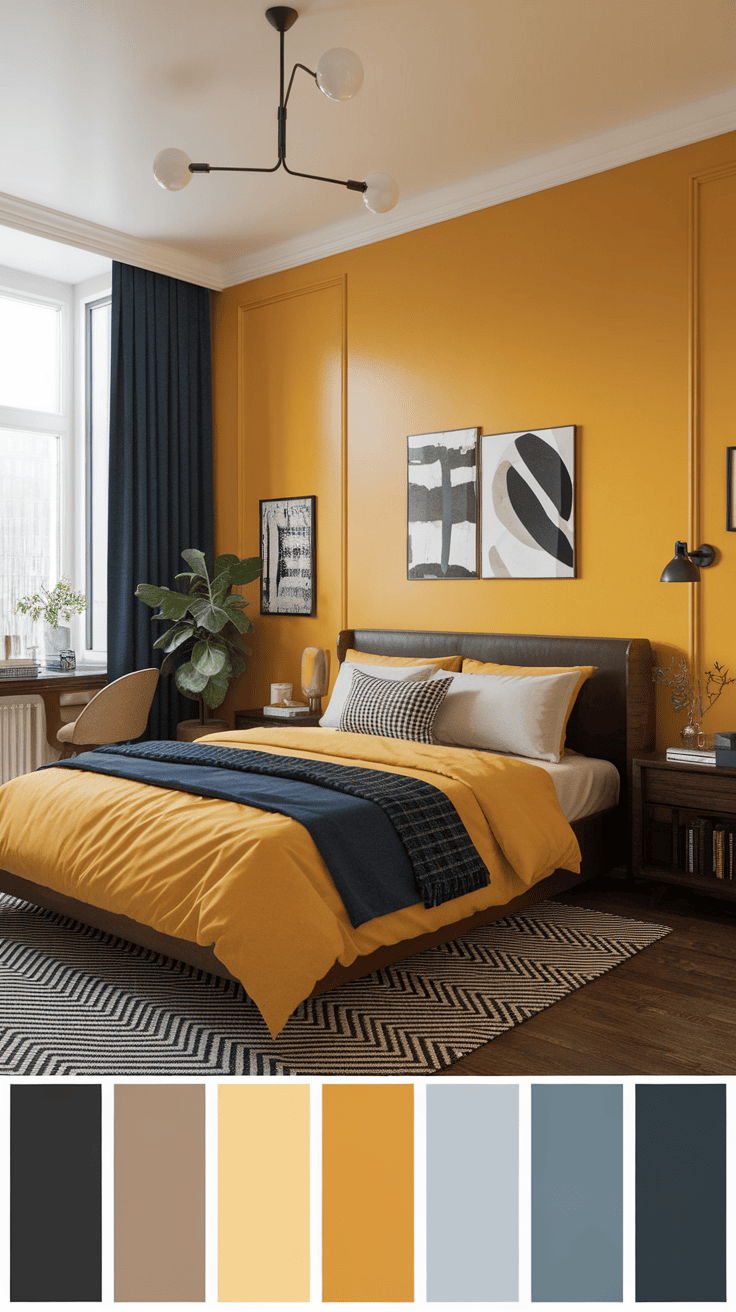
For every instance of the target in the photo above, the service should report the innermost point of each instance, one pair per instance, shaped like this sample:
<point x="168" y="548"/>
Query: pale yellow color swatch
<point x="263" y="1193"/>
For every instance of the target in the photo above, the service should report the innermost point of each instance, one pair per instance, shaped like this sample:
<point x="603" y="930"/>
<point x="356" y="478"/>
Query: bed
<point x="612" y="720"/>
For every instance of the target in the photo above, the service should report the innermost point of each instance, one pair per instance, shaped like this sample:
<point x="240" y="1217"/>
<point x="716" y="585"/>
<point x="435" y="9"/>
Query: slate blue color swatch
<point x="577" y="1193"/>
<point x="472" y="1193"/>
<point x="680" y="1193"/>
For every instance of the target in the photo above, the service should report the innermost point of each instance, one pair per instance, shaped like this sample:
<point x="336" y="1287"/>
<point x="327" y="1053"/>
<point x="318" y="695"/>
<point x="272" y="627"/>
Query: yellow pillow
<point x="487" y="667"/>
<point x="442" y="662"/>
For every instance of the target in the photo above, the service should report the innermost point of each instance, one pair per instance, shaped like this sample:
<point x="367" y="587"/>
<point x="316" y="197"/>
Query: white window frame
<point x="85" y="293"/>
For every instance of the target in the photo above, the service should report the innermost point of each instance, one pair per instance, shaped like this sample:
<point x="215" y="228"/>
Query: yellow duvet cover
<point x="251" y="884"/>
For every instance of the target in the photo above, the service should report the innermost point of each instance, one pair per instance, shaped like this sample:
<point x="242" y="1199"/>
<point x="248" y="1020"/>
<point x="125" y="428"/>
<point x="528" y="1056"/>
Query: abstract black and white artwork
<point x="288" y="556"/>
<point x="442" y="520"/>
<point x="527" y="504"/>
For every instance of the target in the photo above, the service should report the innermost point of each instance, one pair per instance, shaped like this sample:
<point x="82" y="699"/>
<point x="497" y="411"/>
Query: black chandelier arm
<point x="231" y="168"/>
<point x="350" y="183"/>
<point x="291" y="79"/>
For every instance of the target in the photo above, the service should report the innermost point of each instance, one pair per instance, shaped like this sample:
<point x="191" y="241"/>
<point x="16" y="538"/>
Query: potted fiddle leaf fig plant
<point x="204" y="644"/>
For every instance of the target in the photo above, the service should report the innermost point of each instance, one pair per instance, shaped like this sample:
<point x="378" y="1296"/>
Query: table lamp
<point x="314" y="677"/>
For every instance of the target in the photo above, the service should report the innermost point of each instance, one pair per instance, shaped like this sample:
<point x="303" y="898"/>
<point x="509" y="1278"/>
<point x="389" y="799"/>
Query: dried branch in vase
<point x="688" y="692"/>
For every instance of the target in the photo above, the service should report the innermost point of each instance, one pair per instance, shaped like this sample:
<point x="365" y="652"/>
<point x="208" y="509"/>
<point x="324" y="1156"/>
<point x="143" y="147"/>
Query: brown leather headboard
<point x="613" y="717"/>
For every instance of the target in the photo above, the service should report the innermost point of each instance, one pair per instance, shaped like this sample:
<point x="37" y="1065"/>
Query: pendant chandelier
<point x="339" y="76"/>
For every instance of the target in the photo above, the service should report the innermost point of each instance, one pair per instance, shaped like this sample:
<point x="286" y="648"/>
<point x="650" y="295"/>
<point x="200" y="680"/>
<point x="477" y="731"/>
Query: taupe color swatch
<point x="159" y="1193"/>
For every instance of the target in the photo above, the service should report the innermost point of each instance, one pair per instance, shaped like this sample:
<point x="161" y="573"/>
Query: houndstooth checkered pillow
<point x="391" y="708"/>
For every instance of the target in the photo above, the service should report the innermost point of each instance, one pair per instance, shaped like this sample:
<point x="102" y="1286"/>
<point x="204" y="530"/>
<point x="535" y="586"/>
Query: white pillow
<point x="412" y="673"/>
<point x="506" y="713"/>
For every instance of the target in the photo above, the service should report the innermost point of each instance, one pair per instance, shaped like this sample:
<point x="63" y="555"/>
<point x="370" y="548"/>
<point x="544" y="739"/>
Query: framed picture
<point x="731" y="489"/>
<point x="441" y="514"/>
<point x="288" y="583"/>
<point x="527" y="504"/>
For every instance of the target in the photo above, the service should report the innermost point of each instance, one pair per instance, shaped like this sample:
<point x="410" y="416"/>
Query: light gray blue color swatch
<point x="472" y="1193"/>
<point x="577" y="1193"/>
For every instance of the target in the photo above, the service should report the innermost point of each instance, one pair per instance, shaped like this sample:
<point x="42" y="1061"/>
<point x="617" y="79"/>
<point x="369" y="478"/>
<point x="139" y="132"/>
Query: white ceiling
<point x="460" y="98"/>
<point x="48" y="259"/>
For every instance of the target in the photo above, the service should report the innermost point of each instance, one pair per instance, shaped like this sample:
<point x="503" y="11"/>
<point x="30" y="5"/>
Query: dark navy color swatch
<point x="55" y="1193"/>
<point x="680" y="1193"/>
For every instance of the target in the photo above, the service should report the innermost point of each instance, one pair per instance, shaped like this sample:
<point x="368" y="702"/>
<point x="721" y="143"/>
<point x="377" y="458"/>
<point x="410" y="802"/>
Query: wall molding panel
<point x="695" y="395"/>
<point x="315" y="434"/>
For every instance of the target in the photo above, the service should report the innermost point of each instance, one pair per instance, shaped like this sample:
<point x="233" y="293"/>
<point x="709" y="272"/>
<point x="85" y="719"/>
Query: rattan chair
<point x="116" y="714"/>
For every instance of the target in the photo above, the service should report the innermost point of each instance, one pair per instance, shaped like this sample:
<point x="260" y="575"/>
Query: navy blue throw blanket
<point x="388" y="840"/>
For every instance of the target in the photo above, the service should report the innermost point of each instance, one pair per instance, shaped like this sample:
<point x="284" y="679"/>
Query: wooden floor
<point x="670" y="1010"/>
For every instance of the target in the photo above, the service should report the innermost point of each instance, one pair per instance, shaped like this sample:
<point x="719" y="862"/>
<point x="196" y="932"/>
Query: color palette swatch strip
<point x="368" y="1203"/>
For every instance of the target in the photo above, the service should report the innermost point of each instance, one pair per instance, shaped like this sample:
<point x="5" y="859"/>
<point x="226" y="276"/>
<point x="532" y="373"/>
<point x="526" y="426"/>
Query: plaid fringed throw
<point x="444" y="862"/>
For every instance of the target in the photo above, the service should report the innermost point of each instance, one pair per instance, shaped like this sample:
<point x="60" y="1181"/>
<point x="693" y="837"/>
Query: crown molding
<point x="72" y="231"/>
<point x="696" y="121"/>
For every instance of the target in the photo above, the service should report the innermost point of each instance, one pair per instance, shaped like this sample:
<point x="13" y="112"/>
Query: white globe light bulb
<point x="339" y="74"/>
<point x="171" y="169"/>
<point x="381" y="193"/>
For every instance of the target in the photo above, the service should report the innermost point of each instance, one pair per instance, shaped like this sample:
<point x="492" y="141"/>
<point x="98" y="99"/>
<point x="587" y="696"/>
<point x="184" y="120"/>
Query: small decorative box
<point x="727" y="740"/>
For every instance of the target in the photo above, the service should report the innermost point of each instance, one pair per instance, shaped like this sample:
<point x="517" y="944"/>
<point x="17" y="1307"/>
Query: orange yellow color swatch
<point x="368" y="1193"/>
<point x="263" y="1193"/>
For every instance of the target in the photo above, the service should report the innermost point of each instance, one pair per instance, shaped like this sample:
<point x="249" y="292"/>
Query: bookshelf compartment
<point x="684" y="825"/>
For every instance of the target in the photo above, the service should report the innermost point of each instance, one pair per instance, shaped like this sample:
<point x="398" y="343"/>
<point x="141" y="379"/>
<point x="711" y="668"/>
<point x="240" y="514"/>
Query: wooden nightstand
<point x="255" y="719"/>
<point x="676" y="809"/>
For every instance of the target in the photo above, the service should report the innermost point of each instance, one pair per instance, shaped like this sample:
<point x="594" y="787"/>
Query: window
<point x="34" y="431"/>
<point x="30" y="361"/>
<point x="54" y="426"/>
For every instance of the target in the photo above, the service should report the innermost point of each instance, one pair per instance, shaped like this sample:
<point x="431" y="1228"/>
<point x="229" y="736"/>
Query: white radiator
<point x="23" y="745"/>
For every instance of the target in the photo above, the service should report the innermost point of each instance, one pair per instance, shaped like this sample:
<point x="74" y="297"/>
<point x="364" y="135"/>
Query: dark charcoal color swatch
<point x="680" y="1193"/>
<point x="55" y="1193"/>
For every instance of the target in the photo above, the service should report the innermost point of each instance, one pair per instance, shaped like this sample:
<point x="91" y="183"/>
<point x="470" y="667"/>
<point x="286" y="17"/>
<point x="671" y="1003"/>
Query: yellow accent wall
<point x="609" y="303"/>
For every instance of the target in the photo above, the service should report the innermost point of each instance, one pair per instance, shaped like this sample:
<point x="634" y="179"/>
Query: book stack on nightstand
<point x="258" y="719"/>
<point x="684" y="822"/>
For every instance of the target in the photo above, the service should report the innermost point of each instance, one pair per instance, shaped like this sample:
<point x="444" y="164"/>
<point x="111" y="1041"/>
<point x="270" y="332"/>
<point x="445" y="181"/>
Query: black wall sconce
<point x="685" y="565"/>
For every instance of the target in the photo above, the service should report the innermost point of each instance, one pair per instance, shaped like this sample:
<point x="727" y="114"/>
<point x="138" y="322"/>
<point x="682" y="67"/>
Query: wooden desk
<point x="48" y="684"/>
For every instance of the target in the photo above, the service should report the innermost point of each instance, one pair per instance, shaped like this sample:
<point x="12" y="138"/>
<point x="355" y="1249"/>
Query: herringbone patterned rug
<point x="74" y="1001"/>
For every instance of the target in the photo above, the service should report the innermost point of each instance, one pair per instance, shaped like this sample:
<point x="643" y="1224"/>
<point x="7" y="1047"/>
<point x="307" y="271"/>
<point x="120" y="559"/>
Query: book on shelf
<point x="18" y="667"/>
<point x="706" y="847"/>
<point x="286" y="712"/>
<point x="719" y="834"/>
<point x="692" y="755"/>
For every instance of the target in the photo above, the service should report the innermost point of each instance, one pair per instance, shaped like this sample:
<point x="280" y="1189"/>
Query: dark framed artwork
<point x="527" y="504"/>
<point x="288" y="578"/>
<point x="442" y="531"/>
<point x="731" y="489"/>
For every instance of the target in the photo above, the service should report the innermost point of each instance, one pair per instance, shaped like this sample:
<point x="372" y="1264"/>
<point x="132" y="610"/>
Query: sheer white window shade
<point x="30" y="355"/>
<point x="54" y="417"/>
<point x="36" y="486"/>
<point x="30" y="466"/>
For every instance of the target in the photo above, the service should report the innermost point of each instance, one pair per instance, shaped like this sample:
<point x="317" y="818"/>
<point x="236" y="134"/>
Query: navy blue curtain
<point x="161" y="498"/>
